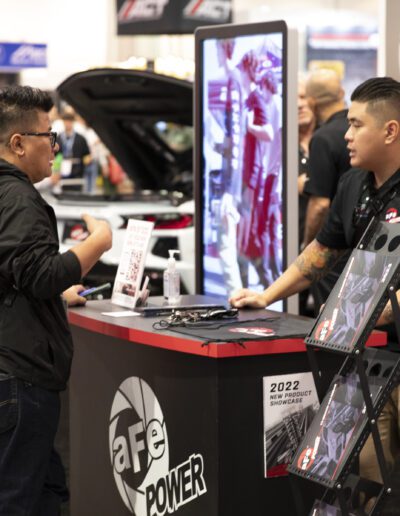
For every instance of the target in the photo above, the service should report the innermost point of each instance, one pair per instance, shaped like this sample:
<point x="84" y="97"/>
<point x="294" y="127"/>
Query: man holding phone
<point x="35" y="281"/>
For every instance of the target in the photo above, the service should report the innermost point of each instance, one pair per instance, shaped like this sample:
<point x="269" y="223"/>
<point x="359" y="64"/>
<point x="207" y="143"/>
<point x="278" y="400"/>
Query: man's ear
<point x="16" y="145"/>
<point x="392" y="131"/>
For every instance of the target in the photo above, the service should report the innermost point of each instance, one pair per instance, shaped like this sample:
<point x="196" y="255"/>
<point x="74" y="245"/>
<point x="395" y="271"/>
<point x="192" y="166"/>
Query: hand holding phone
<point x="95" y="290"/>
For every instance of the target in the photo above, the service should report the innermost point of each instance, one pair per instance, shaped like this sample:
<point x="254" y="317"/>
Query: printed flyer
<point x="290" y="403"/>
<point x="330" y="440"/>
<point x="353" y="300"/>
<point x="130" y="270"/>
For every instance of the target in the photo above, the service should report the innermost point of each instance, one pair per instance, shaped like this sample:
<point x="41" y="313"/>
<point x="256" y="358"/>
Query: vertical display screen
<point x="241" y="182"/>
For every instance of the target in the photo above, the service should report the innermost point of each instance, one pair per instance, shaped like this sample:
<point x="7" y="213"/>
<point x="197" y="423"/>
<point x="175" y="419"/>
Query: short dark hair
<point x="379" y="89"/>
<point x="19" y="106"/>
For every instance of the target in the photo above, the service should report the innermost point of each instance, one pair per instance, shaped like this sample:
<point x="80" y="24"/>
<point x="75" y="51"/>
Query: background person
<point x="270" y="214"/>
<point x="328" y="160"/>
<point x="373" y="141"/>
<point x="307" y="124"/>
<point x="229" y="119"/>
<point x="75" y="153"/>
<point x="35" y="282"/>
<point x="260" y="142"/>
<point x="252" y="103"/>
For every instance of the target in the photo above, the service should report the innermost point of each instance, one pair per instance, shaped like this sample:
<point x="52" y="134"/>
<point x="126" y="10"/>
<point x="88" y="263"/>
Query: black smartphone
<point x="95" y="290"/>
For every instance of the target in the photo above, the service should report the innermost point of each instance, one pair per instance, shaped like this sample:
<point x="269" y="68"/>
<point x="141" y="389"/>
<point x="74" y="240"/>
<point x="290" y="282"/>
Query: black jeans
<point x="32" y="479"/>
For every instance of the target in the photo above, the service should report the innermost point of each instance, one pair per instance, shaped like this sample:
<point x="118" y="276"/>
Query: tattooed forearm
<point x="316" y="260"/>
<point x="317" y="210"/>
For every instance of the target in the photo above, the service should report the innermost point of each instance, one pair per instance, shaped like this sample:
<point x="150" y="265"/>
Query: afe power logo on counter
<point x="139" y="454"/>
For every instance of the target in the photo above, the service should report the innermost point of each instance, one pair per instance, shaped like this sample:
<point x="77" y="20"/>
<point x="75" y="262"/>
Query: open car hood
<point x="130" y="111"/>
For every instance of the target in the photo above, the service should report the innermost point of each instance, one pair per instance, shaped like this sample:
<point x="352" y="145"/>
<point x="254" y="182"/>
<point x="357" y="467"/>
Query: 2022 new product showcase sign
<point x="290" y="403"/>
<point x="139" y="453"/>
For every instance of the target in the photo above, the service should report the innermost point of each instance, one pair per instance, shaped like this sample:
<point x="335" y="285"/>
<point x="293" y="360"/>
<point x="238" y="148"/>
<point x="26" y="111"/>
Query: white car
<point x="141" y="117"/>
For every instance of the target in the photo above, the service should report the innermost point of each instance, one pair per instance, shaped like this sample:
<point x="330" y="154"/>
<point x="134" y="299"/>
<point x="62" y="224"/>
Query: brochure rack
<point x="358" y="393"/>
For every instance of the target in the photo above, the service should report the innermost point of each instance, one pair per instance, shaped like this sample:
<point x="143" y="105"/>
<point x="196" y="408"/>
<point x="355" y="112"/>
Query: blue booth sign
<point x="22" y="55"/>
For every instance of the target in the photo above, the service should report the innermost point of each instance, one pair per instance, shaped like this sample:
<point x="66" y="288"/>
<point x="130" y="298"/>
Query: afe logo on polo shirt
<point x="139" y="455"/>
<point x="391" y="216"/>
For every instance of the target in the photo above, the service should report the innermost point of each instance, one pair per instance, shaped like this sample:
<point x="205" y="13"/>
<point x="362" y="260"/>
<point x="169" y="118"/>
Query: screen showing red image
<point x="241" y="152"/>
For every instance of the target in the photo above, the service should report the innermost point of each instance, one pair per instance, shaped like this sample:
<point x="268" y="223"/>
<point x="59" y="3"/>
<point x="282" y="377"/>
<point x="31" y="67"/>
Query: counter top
<point x="138" y="329"/>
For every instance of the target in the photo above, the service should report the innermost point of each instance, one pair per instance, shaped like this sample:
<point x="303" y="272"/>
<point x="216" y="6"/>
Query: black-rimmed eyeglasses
<point x="51" y="134"/>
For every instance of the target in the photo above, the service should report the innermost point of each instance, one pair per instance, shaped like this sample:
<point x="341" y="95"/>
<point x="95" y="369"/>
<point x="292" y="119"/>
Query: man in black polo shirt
<point x="307" y="124"/>
<point x="373" y="141"/>
<point x="329" y="159"/>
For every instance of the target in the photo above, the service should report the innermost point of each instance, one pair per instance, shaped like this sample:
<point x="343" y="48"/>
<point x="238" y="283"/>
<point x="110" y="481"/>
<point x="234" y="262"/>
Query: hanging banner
<point x="351" y="50"/>
<point x="290" y="404"/>
<point x="170" y="16"/>
<point x="22" y="55"/>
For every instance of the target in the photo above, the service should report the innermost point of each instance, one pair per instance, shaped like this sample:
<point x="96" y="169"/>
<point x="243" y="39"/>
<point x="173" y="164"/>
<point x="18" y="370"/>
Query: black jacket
<point x="35" y="339"/>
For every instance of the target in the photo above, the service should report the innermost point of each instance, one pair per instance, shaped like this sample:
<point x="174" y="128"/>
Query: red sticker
<point x="259" y="332"/>
<point x="324" y="330"/>
<point x="305" y="459"/>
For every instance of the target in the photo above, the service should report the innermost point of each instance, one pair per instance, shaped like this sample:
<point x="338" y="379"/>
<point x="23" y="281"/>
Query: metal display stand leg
<point x="372" y="420"/>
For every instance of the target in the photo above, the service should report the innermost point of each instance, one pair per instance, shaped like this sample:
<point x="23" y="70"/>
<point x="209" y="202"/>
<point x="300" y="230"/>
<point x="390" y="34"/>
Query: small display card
<point x="130" y="270"/>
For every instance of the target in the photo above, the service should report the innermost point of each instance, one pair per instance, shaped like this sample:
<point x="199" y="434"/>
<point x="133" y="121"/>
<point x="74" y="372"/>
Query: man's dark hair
<point x="19" y="107"/>
<point x="377" y="90"/>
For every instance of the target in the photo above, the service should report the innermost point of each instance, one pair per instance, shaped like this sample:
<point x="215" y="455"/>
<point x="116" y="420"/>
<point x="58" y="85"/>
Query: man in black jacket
<point x="35" y="282"/>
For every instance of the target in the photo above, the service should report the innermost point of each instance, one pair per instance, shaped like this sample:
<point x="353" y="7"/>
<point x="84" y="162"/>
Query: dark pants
<point x="32" y="479"/>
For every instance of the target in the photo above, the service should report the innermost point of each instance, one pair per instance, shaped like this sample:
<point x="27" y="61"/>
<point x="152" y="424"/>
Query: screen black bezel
<point x="223" y="32"/>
